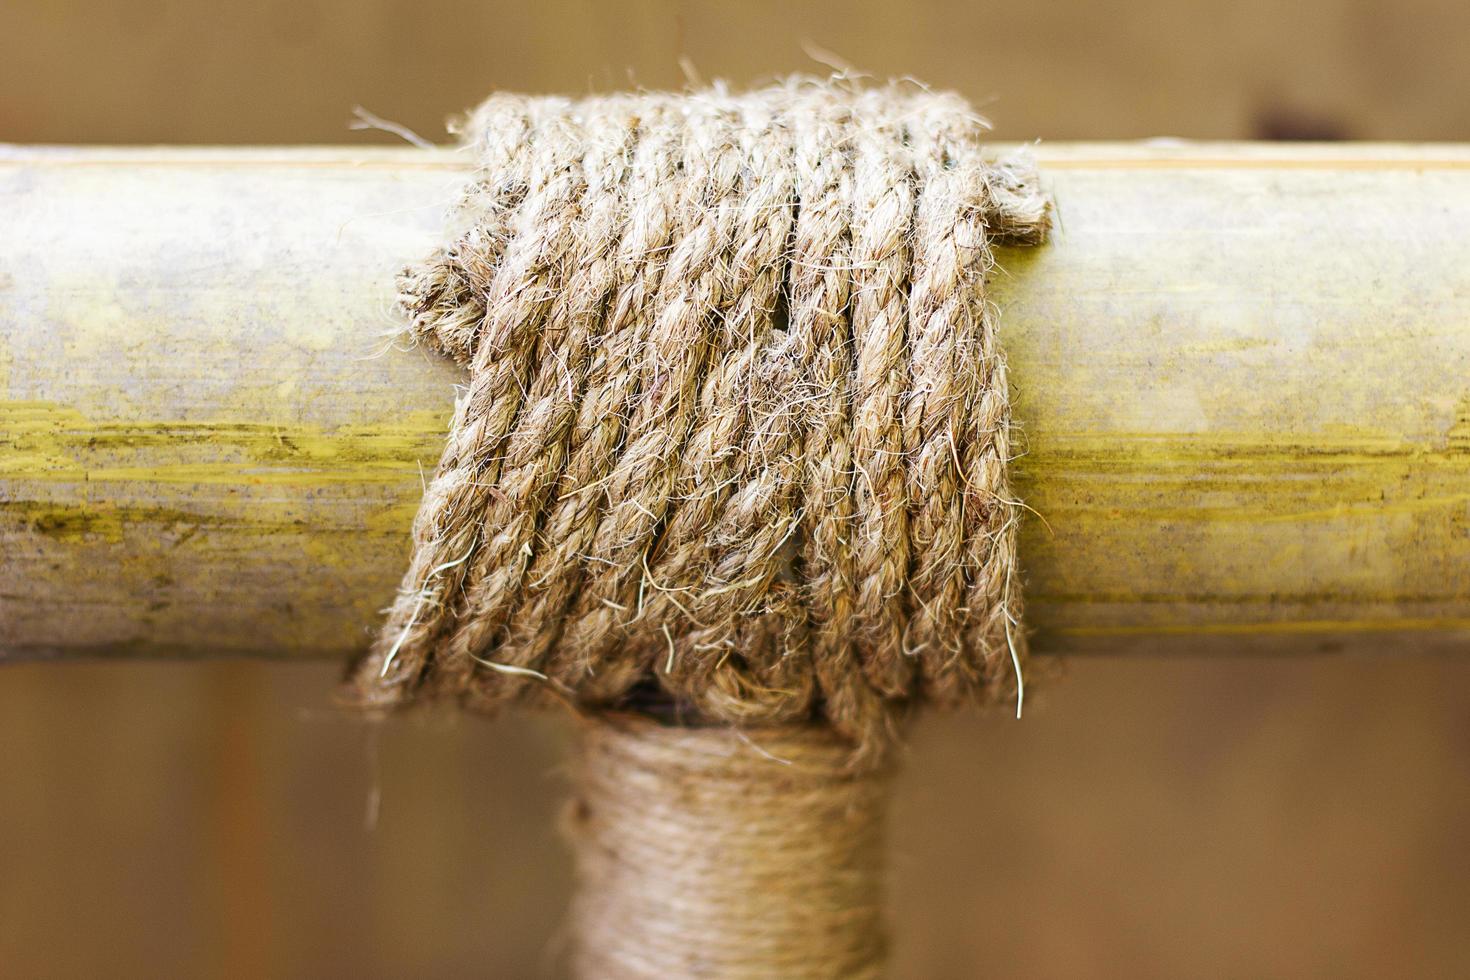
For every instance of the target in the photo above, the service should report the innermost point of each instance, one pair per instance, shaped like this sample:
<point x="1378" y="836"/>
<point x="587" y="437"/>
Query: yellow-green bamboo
<point x="1243" y="373"/>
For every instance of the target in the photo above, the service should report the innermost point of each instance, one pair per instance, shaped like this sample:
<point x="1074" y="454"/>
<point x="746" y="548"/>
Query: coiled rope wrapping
<point x="706" y="852"/>
<point x="737" y="423"/>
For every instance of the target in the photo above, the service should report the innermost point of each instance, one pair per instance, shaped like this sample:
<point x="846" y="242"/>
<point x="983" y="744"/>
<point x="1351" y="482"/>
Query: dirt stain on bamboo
<point x="73" y="489"/>
<point x="66" y="478"/>
<point x="1205" y="477"/>
<point x="49" y="442"/>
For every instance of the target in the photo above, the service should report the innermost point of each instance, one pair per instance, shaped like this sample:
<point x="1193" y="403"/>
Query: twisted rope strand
<point x="673" y="367"/>
<point x="883" y="234"/>
<point x="537" y="451"/>
<point x="446" y="530"/>
<point x="558" y="568"/>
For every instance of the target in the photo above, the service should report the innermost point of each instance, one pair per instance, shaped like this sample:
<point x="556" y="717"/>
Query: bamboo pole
<point x="1243" y="372"/>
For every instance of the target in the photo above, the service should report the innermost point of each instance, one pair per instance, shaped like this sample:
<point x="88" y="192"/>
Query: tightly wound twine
<point x="734" y="443"/>
<point x="672" y="886"/>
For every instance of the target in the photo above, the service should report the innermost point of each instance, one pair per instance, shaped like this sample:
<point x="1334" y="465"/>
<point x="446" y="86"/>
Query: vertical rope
<point x="708" y="853"/>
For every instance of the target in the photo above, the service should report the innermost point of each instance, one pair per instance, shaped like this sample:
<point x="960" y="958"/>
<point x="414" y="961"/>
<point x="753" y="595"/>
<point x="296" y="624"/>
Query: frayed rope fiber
<point x="736" y="431"/>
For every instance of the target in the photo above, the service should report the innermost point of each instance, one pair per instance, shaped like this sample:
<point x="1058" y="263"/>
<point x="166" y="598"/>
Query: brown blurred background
<point x="1225" y="818"/>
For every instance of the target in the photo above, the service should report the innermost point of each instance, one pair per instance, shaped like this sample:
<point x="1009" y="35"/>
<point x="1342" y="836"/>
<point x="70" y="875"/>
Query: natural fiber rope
<point x="737" y="421"/>
<point x="732" y="453"/>
<point x="702" y="852"/>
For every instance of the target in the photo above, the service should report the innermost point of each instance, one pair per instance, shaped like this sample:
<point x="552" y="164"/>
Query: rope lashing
<point x="706" y="852"/>
<point x="737" y="420"/>
<point x="729" y="476"/>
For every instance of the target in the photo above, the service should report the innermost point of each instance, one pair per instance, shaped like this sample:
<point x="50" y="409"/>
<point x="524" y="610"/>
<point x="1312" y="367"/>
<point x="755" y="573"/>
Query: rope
<point x="701" y="852"/>
<point x="732" y="454"/>
<point x="737" y="422"/>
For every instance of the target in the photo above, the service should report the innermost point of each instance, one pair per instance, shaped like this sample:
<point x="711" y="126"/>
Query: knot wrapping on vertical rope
<point x="705" y="852"/>
<point x="736" y="430"/>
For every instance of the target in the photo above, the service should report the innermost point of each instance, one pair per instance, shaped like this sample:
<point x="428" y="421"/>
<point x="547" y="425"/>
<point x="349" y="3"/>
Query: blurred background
<point x="1200" y="818"/>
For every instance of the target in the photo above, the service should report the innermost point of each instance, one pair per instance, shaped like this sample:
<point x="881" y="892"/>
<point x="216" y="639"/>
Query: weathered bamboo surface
<point x="1243" y="372"/>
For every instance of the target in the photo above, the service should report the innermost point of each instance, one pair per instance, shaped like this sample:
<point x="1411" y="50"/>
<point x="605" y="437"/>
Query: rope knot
<point x="737" y="420"/>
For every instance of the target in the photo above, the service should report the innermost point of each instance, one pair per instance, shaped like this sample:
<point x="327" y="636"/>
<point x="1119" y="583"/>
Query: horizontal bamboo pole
<point x="1243" y="372"/>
